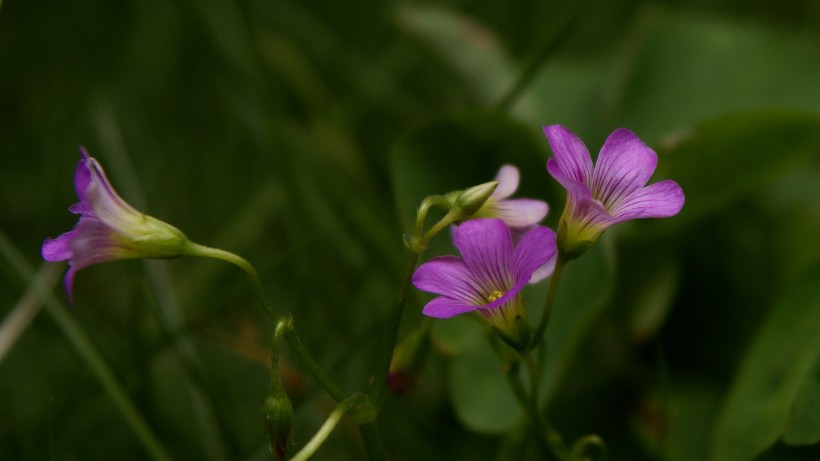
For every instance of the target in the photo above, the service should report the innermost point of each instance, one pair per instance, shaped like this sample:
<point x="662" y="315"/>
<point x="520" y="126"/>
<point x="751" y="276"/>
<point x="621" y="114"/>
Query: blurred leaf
<point x="803" y="427"/>
<point x="679" y="68"/>
<point x="655" y="285"/>
<point x="677" y="424"/>
<point x="585" y="288"/>
<point x="472" y="50"/>
<point x="481" y="396"/>
<point x="777" y="364"/>
<point x="724" y="158"/>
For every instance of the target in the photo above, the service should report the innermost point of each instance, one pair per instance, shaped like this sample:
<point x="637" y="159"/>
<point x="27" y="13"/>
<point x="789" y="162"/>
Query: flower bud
<point x="467" y="202"/>
<point x="278" y="413"/>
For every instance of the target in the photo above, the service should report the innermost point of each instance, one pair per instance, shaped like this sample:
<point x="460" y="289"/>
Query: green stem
<point x="549" y="304"/>
<point x="373" y="443"/>
<point x="284" y="328"/>
<point x="89" y="354"/>
<point x="330" y="423"/>
<point x="379" y="386"/>
<point x="195" y="249"/>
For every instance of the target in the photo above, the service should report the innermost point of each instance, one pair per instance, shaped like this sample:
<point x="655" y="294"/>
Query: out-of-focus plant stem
<point x="89" y="354"/>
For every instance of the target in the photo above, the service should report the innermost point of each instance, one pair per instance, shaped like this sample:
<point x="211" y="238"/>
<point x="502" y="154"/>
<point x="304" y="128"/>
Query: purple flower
<point x="109" y="228"/>
<point x="520" y="214"/>
<point x="489" y="276"/>
<point x="611" y="191"/>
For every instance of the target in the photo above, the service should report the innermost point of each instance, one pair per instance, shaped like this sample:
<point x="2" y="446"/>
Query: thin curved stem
<point x="195" y="249"/>
<point x="330" y="423"/>
<point x="549" y="304"/>
<point x="379" y="386"/>
<point x="284" y="329"/>
<point x="562" y="27"/>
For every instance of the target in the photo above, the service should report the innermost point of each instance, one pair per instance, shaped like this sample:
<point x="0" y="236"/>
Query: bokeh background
<point x="303" y="134"/>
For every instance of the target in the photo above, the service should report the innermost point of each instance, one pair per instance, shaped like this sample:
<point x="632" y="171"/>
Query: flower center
<point x="494" y="295"/>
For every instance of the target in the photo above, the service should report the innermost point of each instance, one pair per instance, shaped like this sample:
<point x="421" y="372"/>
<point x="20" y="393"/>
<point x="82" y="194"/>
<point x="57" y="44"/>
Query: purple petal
<point x="442" y="308"/>
<point x="543" y="272"/>
<point x="82" y="178"/>
<point x="624" y="165"/>
<point x="58" y="249"/>
<point x="571" y="155"/>
<point x="659" y="200"/>
<point x="534" y="250"/>
<point x="448" y="276"/>
<point x="487" y="248"/>
<point x="508" y="178"/>
<point x="68" y="282"/>
<point x="94" y="243"/>
<point x="577" y="190"/>
<point x="520" y="212"/>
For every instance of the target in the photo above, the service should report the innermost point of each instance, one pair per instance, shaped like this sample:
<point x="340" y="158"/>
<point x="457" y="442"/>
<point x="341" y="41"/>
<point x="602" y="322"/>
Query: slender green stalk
<point x="373" y="443"/>
<point x="89" y="354"/>
<point x="285" y="329"/>
<point x="330" y="423"/>
<point x="549" y="304"/>
<point x="561" y="27"/>
<point x="379" y="386"/>
<point x="195" y="249"/>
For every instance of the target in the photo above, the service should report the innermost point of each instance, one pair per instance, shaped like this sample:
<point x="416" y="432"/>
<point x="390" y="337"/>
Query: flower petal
<point x="578" y="190"/>
<point x="659" y="200"/>
<point x="94" y="243"/>
<point x="448" y="276"/>
<point x="624" y="165"/>
<point x="68" y="282"/>
<point x="522" y="212"/>
<point x="443" y="307"/>
<point x="58" y="249"/>
<point x="571" y="155"/>
<point x="534" y="250"/>
<point x="82" y="180"/>
<point x="487" y="248"/>
<point x="543" y="272"/>
<point x="508" y="178"/>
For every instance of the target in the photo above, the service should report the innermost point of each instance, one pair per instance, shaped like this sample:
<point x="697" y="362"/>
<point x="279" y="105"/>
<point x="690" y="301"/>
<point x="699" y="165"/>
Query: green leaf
<point x="725" y="158"/>
<point x="473" y="51"/>
<point x="680" y="67"/>
<point x="759" y="407"/>
<point x="584" y="289"/>
<point x="481" y="397"/>
<point x="803" y="427"/>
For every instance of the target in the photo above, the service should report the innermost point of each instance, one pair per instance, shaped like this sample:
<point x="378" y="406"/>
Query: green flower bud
<point x="278" y="413"/>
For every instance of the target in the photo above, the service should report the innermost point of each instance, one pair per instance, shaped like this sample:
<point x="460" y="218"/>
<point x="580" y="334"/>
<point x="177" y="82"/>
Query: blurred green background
<point x="303" y="134"/>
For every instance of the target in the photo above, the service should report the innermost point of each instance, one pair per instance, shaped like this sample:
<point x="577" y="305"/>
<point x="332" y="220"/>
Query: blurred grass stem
<point x="88" y="353"/>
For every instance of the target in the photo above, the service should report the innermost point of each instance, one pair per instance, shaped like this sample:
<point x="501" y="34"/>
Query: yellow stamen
<point x="494" y="295"/>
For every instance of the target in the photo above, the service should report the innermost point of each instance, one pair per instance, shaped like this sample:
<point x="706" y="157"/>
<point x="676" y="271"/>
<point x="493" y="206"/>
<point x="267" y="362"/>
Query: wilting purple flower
<point x="611" y="191"/>
<point x="521" y="213"/>
<point x="489" y="276"/>
<point x="109" y="228"/>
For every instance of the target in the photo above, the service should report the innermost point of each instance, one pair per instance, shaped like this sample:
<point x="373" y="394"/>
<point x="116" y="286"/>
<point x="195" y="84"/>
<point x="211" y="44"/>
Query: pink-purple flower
<point x="521" y="213"/>
<point x="489" y="275"/>
<point x="109" y="228"/>
<point x="610" y="191"/>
